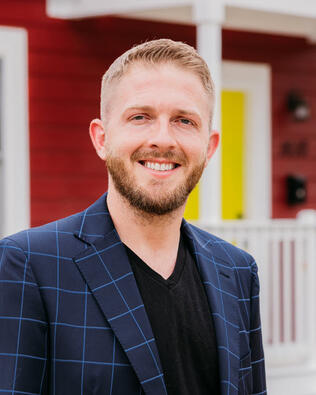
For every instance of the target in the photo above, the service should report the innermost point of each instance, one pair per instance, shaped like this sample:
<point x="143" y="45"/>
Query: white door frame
<point x="15" y="189"/>
<point x="255" y="81"/>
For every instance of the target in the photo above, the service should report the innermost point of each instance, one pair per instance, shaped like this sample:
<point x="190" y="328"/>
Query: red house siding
<point x="293" y="65"/>
<point x="66" y="62"/>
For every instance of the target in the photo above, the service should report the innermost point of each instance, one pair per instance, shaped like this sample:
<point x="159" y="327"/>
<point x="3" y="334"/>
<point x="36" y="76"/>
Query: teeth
<point x="159" y="166"/>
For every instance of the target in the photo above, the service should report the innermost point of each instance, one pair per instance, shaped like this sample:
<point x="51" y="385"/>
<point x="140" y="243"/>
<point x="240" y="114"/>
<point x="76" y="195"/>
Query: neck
<point x="154" y="238"/>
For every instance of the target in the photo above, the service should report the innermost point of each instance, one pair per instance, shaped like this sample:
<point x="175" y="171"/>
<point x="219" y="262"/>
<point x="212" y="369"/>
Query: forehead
<point x="142" y="75"/>
<point x="150" y="84"/>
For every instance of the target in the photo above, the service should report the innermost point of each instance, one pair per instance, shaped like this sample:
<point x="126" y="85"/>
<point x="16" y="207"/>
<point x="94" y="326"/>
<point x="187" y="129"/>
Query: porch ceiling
<point x="288" y="17"/>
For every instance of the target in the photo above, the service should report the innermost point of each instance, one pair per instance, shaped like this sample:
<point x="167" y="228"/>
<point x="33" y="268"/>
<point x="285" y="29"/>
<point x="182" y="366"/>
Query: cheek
<point x="122" y="149"/>
<point x="196" y="149"/>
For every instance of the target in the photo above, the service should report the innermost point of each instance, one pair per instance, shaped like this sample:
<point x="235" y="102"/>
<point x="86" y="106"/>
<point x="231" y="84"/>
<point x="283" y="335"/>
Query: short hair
<point x="158" y="52"/>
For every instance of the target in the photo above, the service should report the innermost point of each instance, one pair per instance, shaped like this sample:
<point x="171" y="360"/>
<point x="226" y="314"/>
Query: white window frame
<point x="15" y="192"/>
<point x="254" y="79"/>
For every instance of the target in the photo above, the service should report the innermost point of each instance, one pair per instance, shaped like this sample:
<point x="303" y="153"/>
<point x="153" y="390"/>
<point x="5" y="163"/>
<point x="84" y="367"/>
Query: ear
<point x="98" y="137"/>
<point x="212" y="145"/>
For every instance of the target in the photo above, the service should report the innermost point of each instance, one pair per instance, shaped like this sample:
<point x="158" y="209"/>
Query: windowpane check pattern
<point x="72" y="320"/>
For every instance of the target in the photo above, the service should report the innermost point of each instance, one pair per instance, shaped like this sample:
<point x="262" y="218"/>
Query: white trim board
<point x="288" y="17"/>
<point x="254" y="80"/>
<point x="68" y="9"/>
<point x="306" y="8"/>
<point x="85" y="8"/>
<point x="15" y="190"/>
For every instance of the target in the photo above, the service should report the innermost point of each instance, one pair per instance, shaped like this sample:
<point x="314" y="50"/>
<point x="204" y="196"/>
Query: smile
<point x="159" y="166"/>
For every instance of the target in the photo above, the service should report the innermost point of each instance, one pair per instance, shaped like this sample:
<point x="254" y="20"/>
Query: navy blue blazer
<point x="72" y="320"/>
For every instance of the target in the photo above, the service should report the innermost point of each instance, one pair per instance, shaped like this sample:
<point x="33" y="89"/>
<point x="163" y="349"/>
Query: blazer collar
<point x="95" y="222"/>
<point x="104" y="265"/>
<point x="220" y="285"/>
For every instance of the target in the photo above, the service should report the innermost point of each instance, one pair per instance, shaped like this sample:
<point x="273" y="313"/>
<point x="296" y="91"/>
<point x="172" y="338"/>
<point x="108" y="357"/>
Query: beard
<point x="151" y="202"/>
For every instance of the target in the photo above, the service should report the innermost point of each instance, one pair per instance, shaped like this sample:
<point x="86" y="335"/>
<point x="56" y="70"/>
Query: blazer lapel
<point x="105" y="267"/>
<point x="219" y="281"/>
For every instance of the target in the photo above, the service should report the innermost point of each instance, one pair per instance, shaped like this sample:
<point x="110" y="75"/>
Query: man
<point x="126" y="297"/>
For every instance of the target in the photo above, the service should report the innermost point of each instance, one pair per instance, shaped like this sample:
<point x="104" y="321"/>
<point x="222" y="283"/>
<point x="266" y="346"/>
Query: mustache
<point x="176" y="157"/>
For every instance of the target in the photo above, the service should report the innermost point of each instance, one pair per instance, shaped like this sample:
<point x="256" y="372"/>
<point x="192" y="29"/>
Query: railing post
<point x="308" y="218"/>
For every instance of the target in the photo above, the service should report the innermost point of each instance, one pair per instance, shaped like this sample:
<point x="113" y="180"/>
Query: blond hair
<point x="157" y="52"/>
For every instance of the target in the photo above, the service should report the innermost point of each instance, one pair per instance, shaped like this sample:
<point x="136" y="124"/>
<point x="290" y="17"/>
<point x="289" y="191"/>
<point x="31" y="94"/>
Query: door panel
<point x="192" y="211"/>
<point x="233" y="124"/>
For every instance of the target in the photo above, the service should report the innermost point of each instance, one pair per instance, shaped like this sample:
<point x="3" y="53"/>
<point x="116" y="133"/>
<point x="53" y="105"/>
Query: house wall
<point x="293" y="67"/>
<point x="66" y="62"/>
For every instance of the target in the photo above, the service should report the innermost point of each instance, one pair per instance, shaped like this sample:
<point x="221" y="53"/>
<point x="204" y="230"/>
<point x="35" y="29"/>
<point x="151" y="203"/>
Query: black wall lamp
<point x="298" y="106"/>
<point x="296" y="189"/>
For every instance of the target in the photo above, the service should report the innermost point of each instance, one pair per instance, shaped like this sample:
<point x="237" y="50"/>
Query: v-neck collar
<point x="175" y="276"/>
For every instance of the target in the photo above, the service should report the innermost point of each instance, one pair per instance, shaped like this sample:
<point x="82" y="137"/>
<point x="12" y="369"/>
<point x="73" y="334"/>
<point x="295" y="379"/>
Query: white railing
<point x="285" y="251"/>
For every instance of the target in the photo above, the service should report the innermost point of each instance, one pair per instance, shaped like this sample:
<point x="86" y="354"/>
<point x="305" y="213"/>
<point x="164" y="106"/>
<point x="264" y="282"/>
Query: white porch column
<point x="208" y="16"/>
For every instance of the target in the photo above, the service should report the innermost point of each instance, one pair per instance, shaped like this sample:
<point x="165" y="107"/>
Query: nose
<point x="161" y="135"/>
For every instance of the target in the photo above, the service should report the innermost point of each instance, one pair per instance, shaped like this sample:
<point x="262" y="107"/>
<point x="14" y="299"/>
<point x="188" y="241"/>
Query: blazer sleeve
<point x="257" y="356"/>
<point x="23" y="324"/>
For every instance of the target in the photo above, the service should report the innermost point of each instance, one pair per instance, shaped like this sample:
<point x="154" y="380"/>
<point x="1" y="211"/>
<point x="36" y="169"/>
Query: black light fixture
<point x="298" y="106"/>
<point x="296" y="186"/>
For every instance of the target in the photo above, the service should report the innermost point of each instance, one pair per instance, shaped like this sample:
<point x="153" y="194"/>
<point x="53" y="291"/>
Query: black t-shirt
<point x="182" y="324"/>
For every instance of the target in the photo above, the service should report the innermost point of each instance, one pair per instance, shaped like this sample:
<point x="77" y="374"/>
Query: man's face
<point x="157" y="137"/>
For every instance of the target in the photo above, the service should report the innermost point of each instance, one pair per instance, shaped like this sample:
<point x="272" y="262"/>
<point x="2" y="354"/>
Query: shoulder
<point x="220" y="249"/>
<point x="223" y="261"/>
<point x="42" y="236"/>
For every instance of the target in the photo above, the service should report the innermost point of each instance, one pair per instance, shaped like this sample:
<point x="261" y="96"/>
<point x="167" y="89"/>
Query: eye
<point x="185" y="121"/>
<point x="138" y="117"/>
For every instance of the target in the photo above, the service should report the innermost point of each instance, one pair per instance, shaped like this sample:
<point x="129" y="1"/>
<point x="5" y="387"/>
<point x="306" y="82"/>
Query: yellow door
<point x="191" y="212"/>
<point x="233" y="110"/>
<point x="232" y="145"/>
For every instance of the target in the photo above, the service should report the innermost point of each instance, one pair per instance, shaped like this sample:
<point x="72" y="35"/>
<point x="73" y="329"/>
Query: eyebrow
<point x="150" y="109"/>
<point x="139" y="108"/>
<point x="189" y="113"/>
